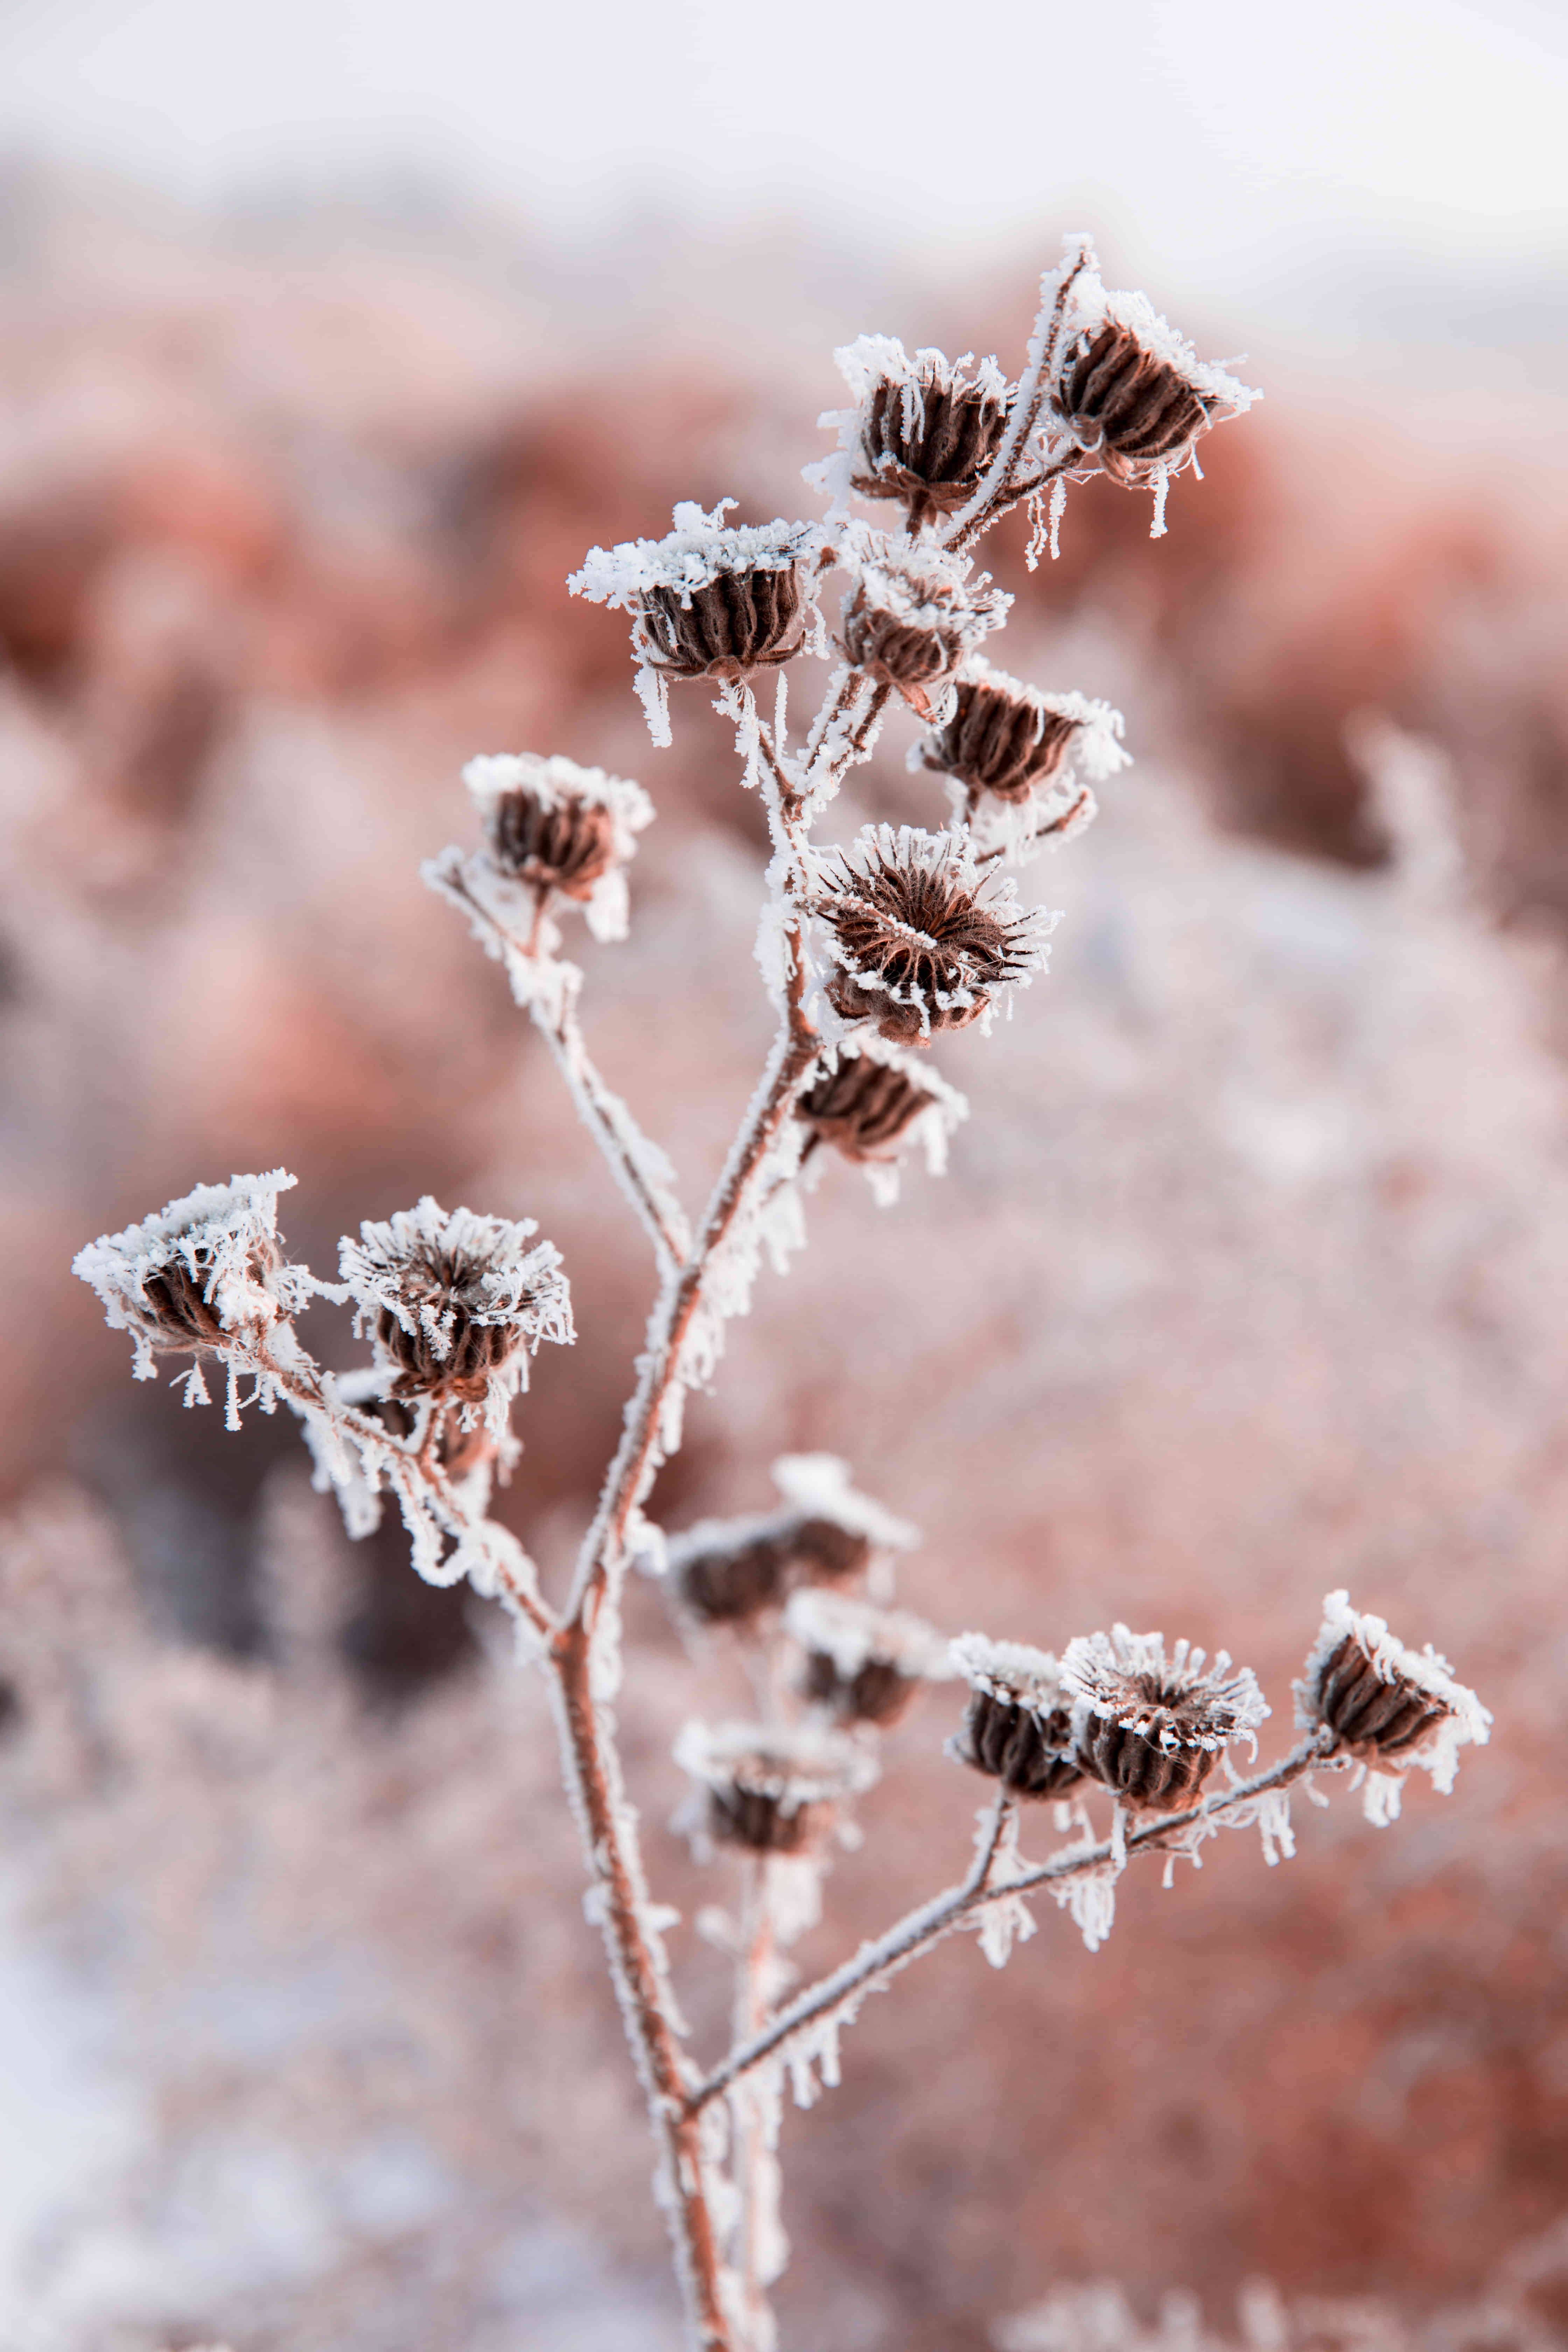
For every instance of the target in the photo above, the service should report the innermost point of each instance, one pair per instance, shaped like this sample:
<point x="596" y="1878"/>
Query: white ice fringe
<point x="1013" y="1670"/>
<point x="818" y="1486"/>
<point x="869" y="360"/>
<point x="1112" y="1675"/>
<point x="852" y="1632"/>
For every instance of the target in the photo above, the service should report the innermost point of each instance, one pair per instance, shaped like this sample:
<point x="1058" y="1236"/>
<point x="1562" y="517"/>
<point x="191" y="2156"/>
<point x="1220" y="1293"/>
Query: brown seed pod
<point x="1148" y="1726"/>
<point x="773" y="1787"/>
<point x="927" y="430"/>
<point x="862" y="1664"/>
<point x="204" y="1276"/>
<point x="914" y="615"/>
<point x="1003" y="738"/>
<point x="1119" y="397"/>
<point x="862" y="1107"/>
<point x="1018" y="1726"/>
<point x="821" y="1549"/>
<point x="567" y="844"/>
<point x="739" y="621"/>
<point x="727" y="1573"/>
<point x="1369" y="1714"/>
<point x="919" y="948"/>
<point x="1389" y="1707"/>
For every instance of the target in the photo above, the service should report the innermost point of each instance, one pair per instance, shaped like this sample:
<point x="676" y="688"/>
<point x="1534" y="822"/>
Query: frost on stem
<point x="874" y="1101"/>
<point x="204" y="1276"/>
<point x="457" y="1304"/>
<point x="1150" y="1728"/>
<point x="913" y="615"/>
<point x="1017" y="1727"/>
<point x="921" y="941"/>
<point x="1132" y="393"/>
<point x="707" y="600"/>
<point x="556" y="829"/>
<point x="923" y="430"/>
<point x="1394" y="1709"/>
<point x="774" y="1788"/>
<point x="862" y="1664"/>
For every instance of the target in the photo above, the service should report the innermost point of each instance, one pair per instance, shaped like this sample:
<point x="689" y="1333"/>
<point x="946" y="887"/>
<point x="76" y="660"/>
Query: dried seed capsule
<point x="919" y="948"/>
<point x="1150" y="1727"/>
<point x="205" y="1276"/>
<point x="1131" y="391"/>
<point x="457" y="1304"/>
<point x="828" y="1531"/>
<point x="925" y="428"/>
<point x="744" y="618"/>
<point x="914" y="616"/>
<point x="728" y="1572"/>
<point x="862" y="1665"/>
<point x="862" y="1107"/>
<point x="554" y="827"/>
<point x="1017" y="1727"/>
<point x="772" y="1789"/>
<point x="1391" y="1707"/>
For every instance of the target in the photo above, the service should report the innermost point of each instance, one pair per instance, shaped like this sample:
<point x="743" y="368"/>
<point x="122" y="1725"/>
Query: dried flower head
<point x="773" y="1788"/>
<point x="914" y="615"/>
<point x="872" y="1099"/>
<point x="924" y="427"/>
<point x="829" y="1530"/>
<point x="1151" y="1727"/>
<point x="708" y="599"/>
<point x="863" y="1664"/>
<point x="1392" y="1708"/>
<point x="922" y="944"/>
<point x="457" y="1304"/>
<point x="1007" y="739"/>
<point x="1131" y="391"/>
<point x="204" y="1276"/>
<point x="1017" y="1727"/>
<point x="553" y="826"/>
<point x="727" y="1571"/>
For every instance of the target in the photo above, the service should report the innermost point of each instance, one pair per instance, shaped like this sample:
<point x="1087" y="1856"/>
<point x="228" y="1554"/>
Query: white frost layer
<point x="689" y="557"/>
<point x="1128" y="1679"/>
<point x="797" y="1763"/>
<point x="1464" y="1723"/>
<point x="1010" y="1670"/>
<point x="556" y="781"/>
<point x="818" y="1486"/>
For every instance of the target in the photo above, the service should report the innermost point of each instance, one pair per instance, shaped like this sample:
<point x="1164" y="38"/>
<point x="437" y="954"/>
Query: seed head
<point x="457" y="1304"/>
<point x="553" y="826"/>
<point x="914" y="615"/>
<point x="1007" y="739"/>
<point x="919" y="943"/>
<point x="1392" y="1708"/>
<point x="773" y="1787"/>
<point x="205" y="1276"/>
<point x="924" y="429"/>
<point x="728" y="1572"/>
<point x="863" y="1664"/>
<point x="1017" y="1727"/>
<point x="871" y="1096"/>
<point x="1150" y="1727"/>
<point x="829" y="1530"/>
<point x="1131" y="391"/>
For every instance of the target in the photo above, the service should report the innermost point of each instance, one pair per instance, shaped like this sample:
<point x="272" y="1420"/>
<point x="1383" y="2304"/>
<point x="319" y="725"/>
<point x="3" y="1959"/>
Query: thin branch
<point x="630" y="1156"/>
<point x="920" y="1929"/>
<point x="983" y="507"/>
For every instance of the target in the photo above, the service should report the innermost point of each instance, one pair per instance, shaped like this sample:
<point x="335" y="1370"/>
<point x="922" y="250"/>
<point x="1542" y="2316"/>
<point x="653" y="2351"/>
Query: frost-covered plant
<point x="871" y="947"/>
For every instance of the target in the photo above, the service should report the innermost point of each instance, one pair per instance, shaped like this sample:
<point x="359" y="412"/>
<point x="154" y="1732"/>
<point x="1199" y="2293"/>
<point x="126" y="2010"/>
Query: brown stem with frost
<point x="1000" y="490"/>
<point x="920" y="1929"/>
<point x="753" y="1996"/>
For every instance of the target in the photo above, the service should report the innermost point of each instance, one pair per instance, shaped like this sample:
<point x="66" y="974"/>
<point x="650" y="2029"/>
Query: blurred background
<point x="330" y="337"/>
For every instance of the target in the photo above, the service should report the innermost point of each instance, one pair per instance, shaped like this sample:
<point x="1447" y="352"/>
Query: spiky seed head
<point x="772" y="1787"/>
<point x="1392" y="1708"/>
<point x="206" y="1275"/>
<point x="862" y="1665"/>
<point x="926" y="427"/>
<point x="1151" y="1727"/>
<point x="914" y="615"/>
<point x="457" y="1304"/>
<point x="1018" y="1726"/>
<point x="920" y="944"/>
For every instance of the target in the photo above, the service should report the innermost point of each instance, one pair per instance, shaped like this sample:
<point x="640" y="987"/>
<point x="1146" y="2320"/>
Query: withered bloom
<point x="917" y="945"/>
<point x="1132" y="393"/>
<point x="707" y="600"/>
<point x="1017" y="1727"/>
<point x="553" y="826"/>
<point x="727" y="1571"/>
<point x="457" y="1304"/>
<point x="1007" y="738"/>
<point x="862" y="1665"/>
<point x="926" y="427"/>
<point x="205" y="1276"/>
<point x="1391" y="1707"/>
<point x="914" y="616"/>
<point x="770" y="1788"/>
<point x="1151" y="1728"/>
<point x="862" y="1107"/>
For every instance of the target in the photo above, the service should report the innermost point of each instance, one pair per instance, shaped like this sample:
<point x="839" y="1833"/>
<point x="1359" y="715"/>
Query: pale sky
<point x="1213" y="131"/>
